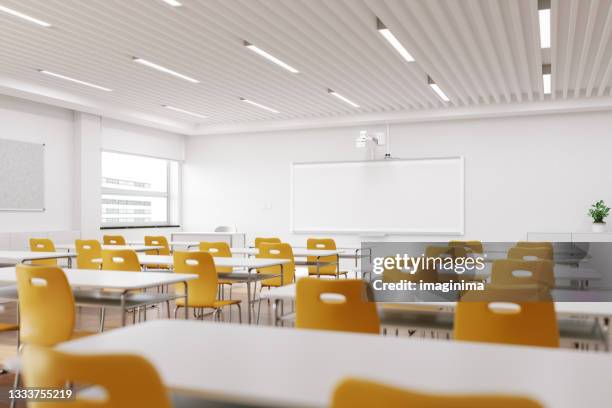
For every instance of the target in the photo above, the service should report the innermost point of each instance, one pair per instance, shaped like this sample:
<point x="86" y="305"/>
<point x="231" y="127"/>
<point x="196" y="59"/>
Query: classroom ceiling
<point x="479" y="52"/>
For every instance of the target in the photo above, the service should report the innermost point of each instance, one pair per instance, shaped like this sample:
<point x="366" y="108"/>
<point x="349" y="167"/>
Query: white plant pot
<point x="599" y="226"/>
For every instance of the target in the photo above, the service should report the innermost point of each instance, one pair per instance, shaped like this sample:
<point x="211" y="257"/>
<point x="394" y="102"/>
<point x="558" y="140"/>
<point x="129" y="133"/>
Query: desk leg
<point x="123" y="308"/>
<point x="186" y="288"/>
<point x="69" y="262"/>
<point x="248" y="283"/>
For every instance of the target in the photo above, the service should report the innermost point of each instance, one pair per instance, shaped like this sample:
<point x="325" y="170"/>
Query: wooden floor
<point x="87" y="320"/>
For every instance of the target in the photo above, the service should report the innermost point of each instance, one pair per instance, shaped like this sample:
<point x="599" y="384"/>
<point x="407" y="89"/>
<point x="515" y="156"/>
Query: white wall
<point x="536" y="173"/>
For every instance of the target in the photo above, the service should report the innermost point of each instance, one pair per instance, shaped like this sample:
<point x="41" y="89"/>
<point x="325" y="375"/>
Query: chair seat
<point x="225" y="282"/>
<point x="216" y="305"/>
<point x="79" y="334"/>
<point x="6" y="327"/>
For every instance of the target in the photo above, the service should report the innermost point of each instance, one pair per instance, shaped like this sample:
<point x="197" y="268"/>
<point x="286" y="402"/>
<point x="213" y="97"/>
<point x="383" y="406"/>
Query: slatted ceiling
<point x="478" y="51"/>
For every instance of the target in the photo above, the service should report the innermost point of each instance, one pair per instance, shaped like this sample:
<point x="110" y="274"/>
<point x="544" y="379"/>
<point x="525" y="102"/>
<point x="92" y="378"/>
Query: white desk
<point x="136" y="248"/>
<point x="16" y="257"/>
<point x="172" y="244"/>
<point x="300" y="368"/>
<point x="247" y="263"/>
<point x="125" y="282"/>
<point x="232" y="238"/>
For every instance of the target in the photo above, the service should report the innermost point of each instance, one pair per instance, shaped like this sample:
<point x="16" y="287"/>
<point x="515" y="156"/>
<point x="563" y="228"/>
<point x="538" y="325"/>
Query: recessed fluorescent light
<point x="437" y="89"/>
<point x="342" y="98"/>
<point x="164" y="69"/>
<point x="173" y="3"/>
<point x="184" y="111"/>
<point x="388" y="35"/>
<point x="546" y="79"/>
<point x="24" y="16"/>
<point x="269" y="57"/>
<point x="259" y="105"/>
<point x="544" y="18"/>
<point x="53" y="74"/>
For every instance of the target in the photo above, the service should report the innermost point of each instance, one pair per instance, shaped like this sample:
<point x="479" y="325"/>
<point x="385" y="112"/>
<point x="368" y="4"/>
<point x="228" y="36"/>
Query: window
<point x="139" y="190"/>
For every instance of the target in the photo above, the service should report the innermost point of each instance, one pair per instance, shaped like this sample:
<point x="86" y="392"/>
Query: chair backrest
<point x="87" y="251"/>
<point x="527" y="253"/>
<point x="494" y="317"/>
<point x="393" y="274"/>
<point x="322" y="243"/>
<point x="113" y="240"/>
<point x="120" y="260"/>
<point x="357" y="393"/>
<point x="474" y="246"/>
<point x="42" y="245"/>
<point x="535" y="244"/>
<point x="159" y="241"/>
<point x="278" y="251"/>
<point x="519" y="272"/>
<point x="202" y="290"/>
<point x="225" y="228"/>
<point x="46" y="305"/>
<point x="218" y="249"/>
<point x="271" y="240"/>
<point x="128" y="380"/>
<point x="329" y="304"/>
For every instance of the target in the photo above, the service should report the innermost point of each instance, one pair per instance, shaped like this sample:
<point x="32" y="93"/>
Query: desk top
<point x="297" y="252"/>
<point x="20" y="256"/>
<point x="137" y="248"/>
<point x="219" y="261"/>
<point x="318" y="360"/>
<point x="95" y="279"/>
<point x="187" y="233"/>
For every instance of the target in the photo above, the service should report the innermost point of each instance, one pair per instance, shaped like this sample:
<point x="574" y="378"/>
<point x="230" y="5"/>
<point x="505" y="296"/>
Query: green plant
<point x="599" y="211"/>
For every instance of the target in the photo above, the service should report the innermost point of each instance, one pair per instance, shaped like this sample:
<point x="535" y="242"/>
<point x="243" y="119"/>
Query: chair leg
<point x="176" y="308"/>
<point x="168" y="307"/>
<point x="102" y="319"/>
<point x="239" y="313"/>
<point x="15" y="387"/>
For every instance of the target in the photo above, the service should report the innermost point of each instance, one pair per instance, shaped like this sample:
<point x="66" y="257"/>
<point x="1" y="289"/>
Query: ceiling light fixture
<point x="342" y="98"/>
<point x="164" y="69"/>
<point x="184" y="111"/>
<point x="53" y="74"/>
<point x="259" y="105"/>
<point x="437" y="89"/>
<point x="173" y="3"/>
<point x="388" y="35"/>
<point x="271" y="58"/>
<point x="24" y="16"/>
<point x="546" y="79"/>
<point x="544" y="18"/>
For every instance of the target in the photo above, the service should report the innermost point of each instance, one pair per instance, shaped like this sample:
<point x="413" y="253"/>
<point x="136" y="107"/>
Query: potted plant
<point x="599" y="211"/>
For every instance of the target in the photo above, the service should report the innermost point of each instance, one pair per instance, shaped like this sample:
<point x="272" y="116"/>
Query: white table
<point x="136" y="248"/>
<point x="249" y="264"/>
<point x="300" y="368"/>
<point x="125" y="282"/>
<point x="231" y="237"/>
<point x="171" y="244"/>
<point x="16" y="257"/>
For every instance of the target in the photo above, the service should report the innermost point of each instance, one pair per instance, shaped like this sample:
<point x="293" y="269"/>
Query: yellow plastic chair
<point x="201" y="292"/>
<point x="535" y="244"/>
<point x="87" y="251"/>
<point x="327" y="270"/>
<point x="219" y="250"/>
<point x="159" y="241"/>
<point x="496" y="316"/>
<point x="128" y="380"/>
<point x="259" y="241"/>
<point x="357" y="393"/>
<point x="506" y="272"/>
<point x="120" y="260"/>
<point x="393" y="274"/>
<point x="474" y="246"/>
<point x="537" y="252"/>
<point x="277" y="251"/>
<point x="352" y="313"/>
<point x="113" y="240"/>
<point x="42" y="245"/>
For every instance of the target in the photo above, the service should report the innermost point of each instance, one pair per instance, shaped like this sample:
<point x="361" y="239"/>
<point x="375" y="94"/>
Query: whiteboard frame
<point x="44" y="196"/>
<point x="371" y="232"/>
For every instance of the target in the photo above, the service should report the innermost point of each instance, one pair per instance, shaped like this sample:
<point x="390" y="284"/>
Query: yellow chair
<point x="277" y="251"/>
<point x="159" y="241"/>
<point x="353" y="313"/>
<point x="259" y="241"/>
<point x="534" y="244"/>
<point x="327" y="270"/>
<point x="219" y="250"/>
<point x="537" y="252"/>
<point x="128" y="380"/>
<point x="113" y="240"/>
<point x="357" y="393"/>
<point x="505" y="272"/>
<point x="46" y="305"/>
<point x="120" y="260"/>
<point x="201" y="292"/>
<point x="497" y="317"/>
<point x="393" y="274"/>
<point x="474" y="246"/>
<point x="42" y="245"/>
<point x="87" y="251"/>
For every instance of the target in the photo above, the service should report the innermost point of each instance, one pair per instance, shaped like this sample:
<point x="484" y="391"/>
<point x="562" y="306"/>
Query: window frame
<point x="170" y="223"/>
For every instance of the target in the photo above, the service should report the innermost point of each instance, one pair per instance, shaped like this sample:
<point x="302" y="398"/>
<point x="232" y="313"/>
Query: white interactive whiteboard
<point x="408" y="196"/>
<point x="22" y="170"/>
